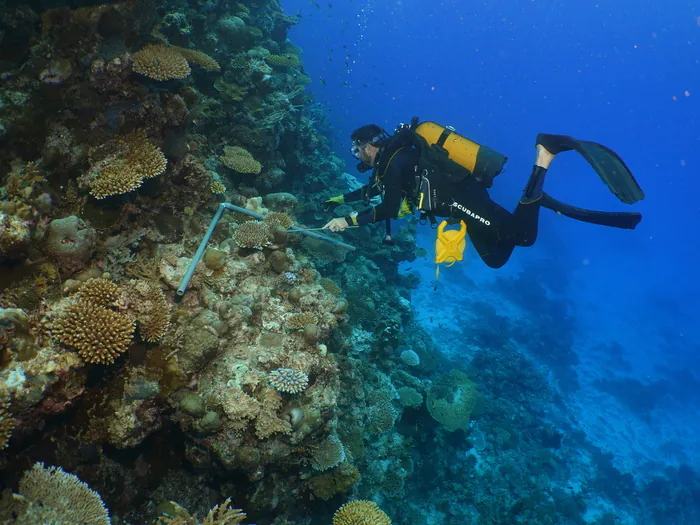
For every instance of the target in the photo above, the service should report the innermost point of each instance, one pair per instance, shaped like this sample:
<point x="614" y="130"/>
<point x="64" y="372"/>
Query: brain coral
<point x="70" y="240"/>
<point x="161" y="62"/>
<point x="128" y="161"/>
<point x="289" y="380"/>
<point x="360" y="512"/>
<point x="252" y="234"/>
<point x="240" y="160"/>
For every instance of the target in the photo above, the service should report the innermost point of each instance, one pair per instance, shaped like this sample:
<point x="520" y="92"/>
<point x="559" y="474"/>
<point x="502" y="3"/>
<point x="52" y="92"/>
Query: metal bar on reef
<point x="205" y="240"/>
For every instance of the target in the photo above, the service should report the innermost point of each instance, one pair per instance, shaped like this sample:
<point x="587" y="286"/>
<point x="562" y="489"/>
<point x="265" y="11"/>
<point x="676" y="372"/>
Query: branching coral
<point x="51" y="495"/>
<point x="161" y="62"/>
<point x="240" y="160"/>
<point x="219" y="515"/>
<point x="252" y="234"/>
<point x="150" y="308"/>
<point x="7" y="423"/>
<point x="197" y="57"/>
<point x="289" y="380"/>
<point x="381" y="417"/>
<point x="301" y="320"/>
<point x="360" y="512"/>
<point x="93" y="325"/>
<point x="279" y="219"/>
<point x="124" y="164"/>
<point x="327" y="454"/>
<point x="217" y="187"/>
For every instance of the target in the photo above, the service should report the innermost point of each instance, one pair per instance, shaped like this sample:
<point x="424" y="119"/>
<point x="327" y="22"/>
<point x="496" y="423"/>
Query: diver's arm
<point x="366" y="192"/>
<point x="390" y="204"/>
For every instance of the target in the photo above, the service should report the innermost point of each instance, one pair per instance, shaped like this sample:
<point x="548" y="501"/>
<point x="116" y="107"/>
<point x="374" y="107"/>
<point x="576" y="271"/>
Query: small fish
<point x="330" y="59"/>
<point x="321" y="80"/>
<point x="330" y="6"/>
<point x="365" y="85"/>
<point x="346" y="64"/>
<point x="410" y="267"/>
<point x="345" y="84"/>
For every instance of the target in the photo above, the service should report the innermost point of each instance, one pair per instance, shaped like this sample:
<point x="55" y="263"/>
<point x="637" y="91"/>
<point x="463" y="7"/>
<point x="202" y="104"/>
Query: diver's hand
<point x="336" y="225"/>
<point x="333" y="203"/>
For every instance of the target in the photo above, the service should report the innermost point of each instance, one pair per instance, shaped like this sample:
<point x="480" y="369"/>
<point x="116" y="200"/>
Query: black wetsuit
<point x="493" y="230"/>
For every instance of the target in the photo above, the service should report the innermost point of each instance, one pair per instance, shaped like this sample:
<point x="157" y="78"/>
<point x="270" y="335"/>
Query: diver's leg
<point x="527" y="214"/>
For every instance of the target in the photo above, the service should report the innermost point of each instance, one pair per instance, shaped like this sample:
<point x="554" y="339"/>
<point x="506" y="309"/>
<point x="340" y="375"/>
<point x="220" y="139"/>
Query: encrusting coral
<point x="122" y="165"/>
<point x="360" y="512"/>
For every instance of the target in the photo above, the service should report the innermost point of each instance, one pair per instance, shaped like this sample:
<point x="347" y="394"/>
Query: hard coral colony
<point x="238" y="387"/>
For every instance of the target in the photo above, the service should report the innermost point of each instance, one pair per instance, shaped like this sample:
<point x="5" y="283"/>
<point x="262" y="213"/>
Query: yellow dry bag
<point x="449" y="245"/>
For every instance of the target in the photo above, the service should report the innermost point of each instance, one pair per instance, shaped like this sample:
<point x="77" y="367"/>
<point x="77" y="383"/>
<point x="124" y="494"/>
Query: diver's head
<point x="366" y="142"/>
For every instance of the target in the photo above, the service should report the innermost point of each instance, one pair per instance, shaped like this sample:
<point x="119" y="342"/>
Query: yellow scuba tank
<point x="449" y="245"/>
<point x="483" y="163"/>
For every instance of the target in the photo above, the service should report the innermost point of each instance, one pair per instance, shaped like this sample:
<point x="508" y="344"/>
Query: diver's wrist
<point x="352" y="219"/>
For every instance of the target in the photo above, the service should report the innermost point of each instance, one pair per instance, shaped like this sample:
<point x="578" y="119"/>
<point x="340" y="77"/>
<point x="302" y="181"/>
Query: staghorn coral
<point x="289" y="380"/>
<point x="150" y="308"/>
<point x="301" y="320"/>
<point x="240" y="160"/>
<point x="252" y="234"/>
<point x="218" y="515"/>
<point x="123" y="165"/>
<point x="7" y="423"/>
<point x="327" y="454"/>
<point x="279" y="219"/>
<point x="161" y="62"/>
<point x="198" y="58"/>
<point x="360" y="512"/>
<point x="51" y="495"/>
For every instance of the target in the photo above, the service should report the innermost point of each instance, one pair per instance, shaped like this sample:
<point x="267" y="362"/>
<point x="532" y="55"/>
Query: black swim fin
<point x="622" y="219"/>
<point x="608" y="165"/>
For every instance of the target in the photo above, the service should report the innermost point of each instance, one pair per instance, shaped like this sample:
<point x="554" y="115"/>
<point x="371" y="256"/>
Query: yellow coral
<point x="150" y="308"/>
<point x="217" y="187"/>
<point x="131" y="159"/>
<point x="240" y="160"/>
<point x="7" y="423"/>
<point x="252" y="234"/>
<point x="161" y="62"/>
<point x="267" y="422"/>
<point x="279" y="219"/>
<point x="360" y="512"/>
<point x="300" y="321"/>
<point x="197" y="57"/>
<point x="330" y="286"/>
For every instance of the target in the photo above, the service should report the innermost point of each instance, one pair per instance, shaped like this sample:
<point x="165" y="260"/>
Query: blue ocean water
<point x="611" y="313"/>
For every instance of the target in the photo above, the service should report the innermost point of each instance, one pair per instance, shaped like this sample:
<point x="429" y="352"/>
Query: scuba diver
<point x="433" y="169"/>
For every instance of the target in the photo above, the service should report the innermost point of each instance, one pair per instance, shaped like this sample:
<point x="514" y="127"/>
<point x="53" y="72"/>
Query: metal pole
<point x="228" y="206"/>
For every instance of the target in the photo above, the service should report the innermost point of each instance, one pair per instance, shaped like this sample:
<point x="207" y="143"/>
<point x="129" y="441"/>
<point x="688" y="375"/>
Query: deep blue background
<point x="622" y="73"/>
